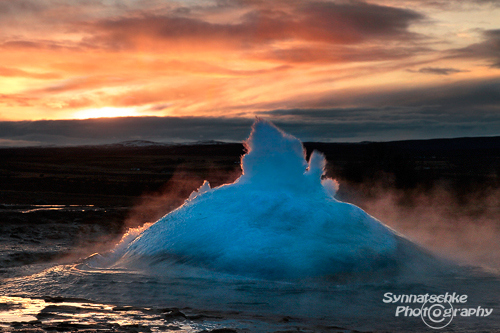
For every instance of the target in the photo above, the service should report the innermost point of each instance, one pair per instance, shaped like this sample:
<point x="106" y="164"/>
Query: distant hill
<point x="120" y="173"/>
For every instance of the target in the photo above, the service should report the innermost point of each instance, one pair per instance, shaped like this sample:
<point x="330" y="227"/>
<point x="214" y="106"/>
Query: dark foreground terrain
<point x="117" y="175"/>
<point x="63" y="204"/>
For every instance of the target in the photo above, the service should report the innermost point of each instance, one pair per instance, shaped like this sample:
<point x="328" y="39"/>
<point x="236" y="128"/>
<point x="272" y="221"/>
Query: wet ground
<point x="60" y="205"/>
<point x="37" y="238"/>
<point x="46" y="287"/>
<point x="57" y="314"/>
<point x="31" y="235"/>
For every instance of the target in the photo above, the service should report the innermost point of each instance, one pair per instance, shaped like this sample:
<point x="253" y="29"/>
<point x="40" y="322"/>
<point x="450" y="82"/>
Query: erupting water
<point x="279" y="220"/>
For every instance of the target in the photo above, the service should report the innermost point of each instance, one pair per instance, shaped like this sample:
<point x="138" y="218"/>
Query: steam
<point x="152" y="206"/>
<point x="278" y="220"/>
<point x="463" y="228"/>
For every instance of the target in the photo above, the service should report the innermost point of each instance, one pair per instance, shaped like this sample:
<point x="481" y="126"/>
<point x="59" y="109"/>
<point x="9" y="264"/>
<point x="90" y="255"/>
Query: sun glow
<point x="106" y="112"/>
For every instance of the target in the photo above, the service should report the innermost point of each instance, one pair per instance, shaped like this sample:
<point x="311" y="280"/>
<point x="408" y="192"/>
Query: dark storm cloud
<point x="262" y="23"/>
<point x="112" y="130"/>
<point x="462" y="95"/>
<point x="351" y="124"/>
<point x="465" y="109"/>
<point x="386" y="123"/>
<point x="332" y="54"/>
<point x="357" y="19"/>
<point x="330" y="22"/>
<point x="470" y="95"/>
<point x="25" y="44"/>
<point x="437" y="70"/>
<point x="8" y="8"/>
<point x="44" y="45"/>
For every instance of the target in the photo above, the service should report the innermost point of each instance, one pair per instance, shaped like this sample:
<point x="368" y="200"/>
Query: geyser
<point x="279" y="220"/>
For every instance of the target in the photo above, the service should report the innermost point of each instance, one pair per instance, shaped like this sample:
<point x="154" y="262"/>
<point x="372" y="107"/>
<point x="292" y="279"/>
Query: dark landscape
<point x="61" y="204"/>
<point x="117" y="175"/>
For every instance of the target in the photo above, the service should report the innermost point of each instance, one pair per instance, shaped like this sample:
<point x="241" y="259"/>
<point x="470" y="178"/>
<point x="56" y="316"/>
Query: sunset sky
<point x="202" y="69"/>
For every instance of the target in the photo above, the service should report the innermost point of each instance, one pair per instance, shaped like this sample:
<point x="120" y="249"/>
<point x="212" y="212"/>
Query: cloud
<point x="488" y="49"/>
<point x="112" y="130"/>
<point x="15" y="72"/>
<point x="81" y="83"/>
<point x="93" y="47"/>
<point x="17" y="100"/>
<point x="18" y="143"/>
<point x="338" y="54"/>
<point x="444" y="4"/>
<point x="228" y="58"/>
<point x="9" y="8"/>
<point x="437" y="70"/>
<point x="31" y="44"/>
<point x="462" y="95"/>
<point x="470" y="108"/>
<point x="465" y="96"/>
<point x="384" y="123"/>
<point x="315" y="21"/>
<point x="159" y="107"/>
<point x="355" y="21"/>
<point x="337" y="125"/>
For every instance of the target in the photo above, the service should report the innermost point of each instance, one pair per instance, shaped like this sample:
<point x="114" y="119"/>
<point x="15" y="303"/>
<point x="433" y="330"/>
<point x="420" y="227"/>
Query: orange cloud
<point x="5" y="71"/>
<point x="218" y="58"/>
<point x="326" y="22"/>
